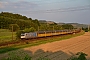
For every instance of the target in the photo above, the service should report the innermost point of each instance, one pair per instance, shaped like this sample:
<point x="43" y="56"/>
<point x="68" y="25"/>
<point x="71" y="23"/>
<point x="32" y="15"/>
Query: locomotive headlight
<point x="22" y="36"/>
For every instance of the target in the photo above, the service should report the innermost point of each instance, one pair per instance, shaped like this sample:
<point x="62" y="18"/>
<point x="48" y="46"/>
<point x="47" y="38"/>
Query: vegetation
<point x="45" y="27"/>
<point x="7" y="19"/>
<point x="80" y="56"/>
<point x="14" y="56"/>
<point x="85" y="29"/>
<point x="6" y="36"/>
<point x="14" y="27"/>
<point x="67" y="26"/>
<point x="18" y="34"/>
<point x="24" y="56"/>
<point x="27" y="30"/>
<point x="23" y="22"/>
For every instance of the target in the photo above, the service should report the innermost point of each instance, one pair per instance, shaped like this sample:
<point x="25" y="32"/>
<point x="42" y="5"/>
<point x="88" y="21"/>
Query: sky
<point x="65" y="11"/>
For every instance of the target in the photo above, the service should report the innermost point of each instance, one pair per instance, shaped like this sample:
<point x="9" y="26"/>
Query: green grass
<point x="15" y="56"/>
<point x="21" y="56"/>
<point x="6" y="35"/>
<point x="38" y="42"/>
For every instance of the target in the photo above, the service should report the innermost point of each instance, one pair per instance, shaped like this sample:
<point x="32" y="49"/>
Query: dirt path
<point x="61" y="50"/>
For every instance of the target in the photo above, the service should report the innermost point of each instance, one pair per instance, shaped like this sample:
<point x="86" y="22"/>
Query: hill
<point x="76" y="25"/>
<point x="79" y="25"/>
<point x="6" y="19"/>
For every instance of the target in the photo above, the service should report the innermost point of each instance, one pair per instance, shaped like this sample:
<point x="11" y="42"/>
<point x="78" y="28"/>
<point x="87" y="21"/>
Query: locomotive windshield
<point x="22" y="34"/>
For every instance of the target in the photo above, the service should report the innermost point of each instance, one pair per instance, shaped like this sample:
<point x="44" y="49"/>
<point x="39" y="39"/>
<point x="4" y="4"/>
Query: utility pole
<point x="1" y="25"/>
<point x="53" y="28"/>
<point x="38" y="28"/>
<point x="12" y="32"/>
<point x="88" y="27"/>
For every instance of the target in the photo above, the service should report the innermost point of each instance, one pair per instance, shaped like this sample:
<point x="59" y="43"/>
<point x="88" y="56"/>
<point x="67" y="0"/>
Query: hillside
<point x="79" y="25"/>
<point x="75" y="25"/>
<point x="6" y="19"/>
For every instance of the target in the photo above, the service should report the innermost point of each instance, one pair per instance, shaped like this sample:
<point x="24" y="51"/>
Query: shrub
<point x="79" y="56"/>
<point x="18" y="33"/>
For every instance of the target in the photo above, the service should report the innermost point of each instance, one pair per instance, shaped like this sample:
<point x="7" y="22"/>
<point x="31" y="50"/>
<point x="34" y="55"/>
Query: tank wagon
<point x="48" y="33"/>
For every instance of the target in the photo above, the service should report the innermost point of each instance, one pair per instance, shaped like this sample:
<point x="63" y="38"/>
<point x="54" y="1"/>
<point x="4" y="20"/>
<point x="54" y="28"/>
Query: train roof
<point x="51" y="31"/>
<point x="48" y="31"/>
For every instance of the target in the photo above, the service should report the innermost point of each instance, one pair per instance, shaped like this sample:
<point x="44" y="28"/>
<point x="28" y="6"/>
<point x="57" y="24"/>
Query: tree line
<point x="7" y="19"/>
<point x="19" y="22"/>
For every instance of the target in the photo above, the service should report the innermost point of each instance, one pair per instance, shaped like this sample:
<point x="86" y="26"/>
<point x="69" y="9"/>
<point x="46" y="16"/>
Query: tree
<point x="85" y="29"/>
<point x="67" y="26"/>
<point x="43" y="27"/>
<point x="27" y="30"/>
<point x="36" y="22"/>
<point x="32" y="29"/>
<point x="7" y="18"/>
<point x="30" y="18"/>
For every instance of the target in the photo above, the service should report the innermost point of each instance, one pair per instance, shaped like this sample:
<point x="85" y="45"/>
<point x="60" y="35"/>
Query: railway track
<point x="26" y="41"/>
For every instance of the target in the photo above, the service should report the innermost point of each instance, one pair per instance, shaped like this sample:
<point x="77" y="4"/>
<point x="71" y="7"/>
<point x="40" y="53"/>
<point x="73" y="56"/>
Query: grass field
<point x="6" y="35"/>
<point x="28" y="44"/>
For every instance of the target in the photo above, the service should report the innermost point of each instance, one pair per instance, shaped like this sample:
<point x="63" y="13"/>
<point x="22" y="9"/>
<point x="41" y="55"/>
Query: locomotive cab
<point x="28" y="35"/>
<point x="23" y="36"/>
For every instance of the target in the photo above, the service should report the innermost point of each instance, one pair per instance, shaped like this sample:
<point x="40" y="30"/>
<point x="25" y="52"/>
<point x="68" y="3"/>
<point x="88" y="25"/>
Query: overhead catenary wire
<point x="51" y="1"/>
<point x="40" y="2"/>
<point x="56" y="2"/>
<point x="70" y="9"/>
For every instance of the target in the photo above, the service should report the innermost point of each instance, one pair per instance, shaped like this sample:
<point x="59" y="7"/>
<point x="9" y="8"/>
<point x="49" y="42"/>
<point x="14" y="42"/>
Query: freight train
<point x="48" y="33"/>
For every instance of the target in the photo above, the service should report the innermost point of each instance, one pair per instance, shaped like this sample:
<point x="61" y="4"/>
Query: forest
<point x="20" y="22"/>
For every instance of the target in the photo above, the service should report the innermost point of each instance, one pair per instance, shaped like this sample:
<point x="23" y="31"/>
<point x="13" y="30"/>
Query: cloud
<point x="2" y="4"/>
<point x="27" y="5"/>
